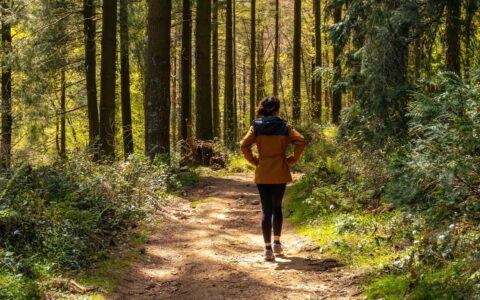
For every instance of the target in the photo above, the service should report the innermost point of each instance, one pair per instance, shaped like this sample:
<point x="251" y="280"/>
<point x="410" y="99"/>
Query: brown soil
<point x="214" y="251"/>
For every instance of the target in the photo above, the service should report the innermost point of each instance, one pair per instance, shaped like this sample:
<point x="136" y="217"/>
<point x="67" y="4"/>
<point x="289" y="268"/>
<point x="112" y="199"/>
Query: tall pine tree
<point x="203" y="85"/>
<point x="297" y="48"/>
<point x="186" y="66"/>
<point x="107" y="79"/>
<point x="157" y="89"/>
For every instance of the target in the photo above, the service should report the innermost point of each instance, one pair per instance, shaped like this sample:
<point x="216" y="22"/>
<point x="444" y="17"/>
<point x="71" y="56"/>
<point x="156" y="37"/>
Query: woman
<point x="272" y="173"/>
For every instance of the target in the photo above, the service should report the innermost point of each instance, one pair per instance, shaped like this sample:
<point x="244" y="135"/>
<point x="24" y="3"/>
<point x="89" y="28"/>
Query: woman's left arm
<point x="297" y="139"/>
<point x="246" y="147"/>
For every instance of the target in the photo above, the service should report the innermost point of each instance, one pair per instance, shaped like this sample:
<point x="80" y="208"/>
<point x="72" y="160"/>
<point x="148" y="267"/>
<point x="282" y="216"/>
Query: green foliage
<point x="440" y="168"/>
<point x="64" y="216"/>
<point x="378" y="73"/>
<point x="411" y="252"/>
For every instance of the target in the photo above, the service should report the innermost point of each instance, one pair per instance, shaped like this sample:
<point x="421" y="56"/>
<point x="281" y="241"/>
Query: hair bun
<point x="268" y="106"/>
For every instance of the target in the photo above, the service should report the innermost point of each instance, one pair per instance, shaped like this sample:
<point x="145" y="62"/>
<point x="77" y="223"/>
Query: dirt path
<point x="213" y="250"/>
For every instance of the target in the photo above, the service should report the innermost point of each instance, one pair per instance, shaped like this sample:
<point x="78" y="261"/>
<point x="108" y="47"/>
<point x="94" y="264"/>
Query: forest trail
<point x="209" y="246"/>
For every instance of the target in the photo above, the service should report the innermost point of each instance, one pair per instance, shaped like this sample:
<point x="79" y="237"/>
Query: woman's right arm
<point x="246" y="147"/>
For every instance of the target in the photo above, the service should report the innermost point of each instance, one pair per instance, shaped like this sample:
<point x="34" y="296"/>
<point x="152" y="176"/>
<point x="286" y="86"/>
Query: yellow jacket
<point x="272" y="136"/>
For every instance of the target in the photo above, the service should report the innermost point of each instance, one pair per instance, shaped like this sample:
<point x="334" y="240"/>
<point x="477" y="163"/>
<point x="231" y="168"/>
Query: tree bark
<point x="215" y="78"/>
<point x="317" y="104"/>
<point x="471" y="10"/>
<point x="6" y="106"/>
<point x="276" y="48"/>
<point x="337" y="94"/>
<point x="125" y="81"/>
<point x="452" y="32"/>
<point x="186" y="66"/>
<point x="297" y="46"/>
<point x="107" y="79"/>
<point x="91" y="74"/>
<point x="260" y="68"/>
<point x="235" y="92"/>
<point x="203" y="87"/>
<point x="252" y="59"/>
<point x="63" y="116"/>
<point x="157" y="92"/>
<point x="229" y="117"/>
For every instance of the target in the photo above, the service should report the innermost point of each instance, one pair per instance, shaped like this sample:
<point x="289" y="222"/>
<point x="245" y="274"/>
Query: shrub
<point x="440" y="167"/>
<point x="63" y="216"/>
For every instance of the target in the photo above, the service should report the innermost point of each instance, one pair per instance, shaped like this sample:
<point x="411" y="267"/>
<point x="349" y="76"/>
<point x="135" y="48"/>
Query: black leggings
<point x="271" y="196"/>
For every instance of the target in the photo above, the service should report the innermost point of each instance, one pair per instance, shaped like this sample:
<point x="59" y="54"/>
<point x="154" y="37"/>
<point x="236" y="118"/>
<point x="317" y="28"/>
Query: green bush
<point x="63" y="216"/>
<point x="440" y="168"/>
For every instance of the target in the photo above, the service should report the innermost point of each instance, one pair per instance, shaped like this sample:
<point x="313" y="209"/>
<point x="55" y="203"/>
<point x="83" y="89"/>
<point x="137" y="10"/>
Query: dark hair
<point x="268" y="106"/>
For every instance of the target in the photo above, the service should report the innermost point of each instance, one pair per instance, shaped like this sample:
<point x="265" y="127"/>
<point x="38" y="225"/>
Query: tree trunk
<point x="276" y="48"/>
<point x="215" y="78"/>
<point x="229" y="117"/>
<point x="186" y="66"/>
<point x="107" y="80"/>
<point x="337" y="94"/>
<point x="125" y="80"/>
<point x="260" y="68"/>
<point x="452" y="32"/>
<point x="297" y="46"/>
<point x="203" y="84"/>
<point x="157" y="90"/>
<point x="90" y="74"/>
<point x="317" y="104"/>
<point x="305" y="75"/>
<point x="244" y="94"/>
<point x="471" y="10"/>
<point x="63" y="134"/>
<point x="235" y="92"/>
<point x="173" y="108"/>
<point x="6" y="106"/>
<point x="252" y="59"/>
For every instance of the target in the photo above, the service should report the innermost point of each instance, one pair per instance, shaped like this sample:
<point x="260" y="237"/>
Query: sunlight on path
<point x="213" y="250"/>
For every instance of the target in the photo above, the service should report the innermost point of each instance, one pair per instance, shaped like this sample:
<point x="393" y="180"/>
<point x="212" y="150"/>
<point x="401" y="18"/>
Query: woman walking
<point x="272" y="135"/>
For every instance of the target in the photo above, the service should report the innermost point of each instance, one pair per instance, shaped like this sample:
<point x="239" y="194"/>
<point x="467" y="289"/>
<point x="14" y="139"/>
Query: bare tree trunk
<point x="244" y="94"/>
<point x="186" y="122"/>
<point x="91" y="75"/>
<point x="317" y="104"/>
<point x="6" y="106"/>
<point x="157" y="92"/>
<point x="337" y="94"/>
<point x="229" y="117"/>
<point x="305" y="75"/>
<point x="235" y="92"/>
<point x="297" y="46"/>
<point x="252" y="58"/>
<point x="107" y="80"/>
<point x="125" y="80"/>
<point x="203" y="88"/>
<point x="173" y="107"/>
<point x="471" y="10"/>
<point x="452" y="33"/>
<point x="215" y="78"/>
<point x="63" y="96"/>
<point x="276" y="48"/>
<point x="260" y="68"/>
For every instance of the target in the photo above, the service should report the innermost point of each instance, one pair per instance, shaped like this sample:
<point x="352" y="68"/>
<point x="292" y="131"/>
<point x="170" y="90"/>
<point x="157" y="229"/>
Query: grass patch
<point x="388" y="287"/>
<point x="202" y="201"/>
<point x="238" y="164"/>
<point x="357" y="239"/>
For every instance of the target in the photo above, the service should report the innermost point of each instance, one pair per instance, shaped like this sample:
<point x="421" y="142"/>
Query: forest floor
<point x="209" y="246"/>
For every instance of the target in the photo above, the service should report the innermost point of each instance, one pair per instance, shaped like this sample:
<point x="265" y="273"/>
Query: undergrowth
<point x="65" y="217"/>
<point x="344" y="202"/>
